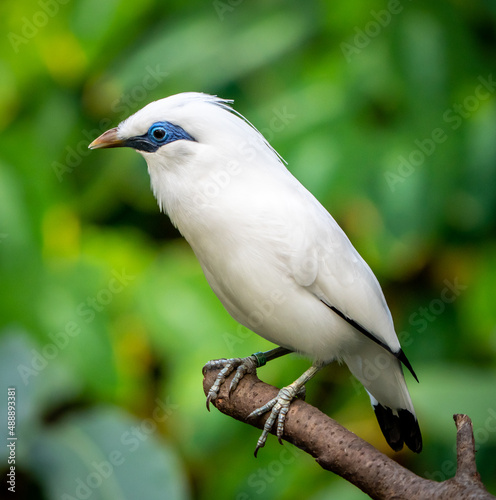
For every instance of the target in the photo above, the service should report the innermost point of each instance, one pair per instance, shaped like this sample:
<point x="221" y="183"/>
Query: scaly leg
<point x="280" y="406"/>
<point x="242" y="366"/>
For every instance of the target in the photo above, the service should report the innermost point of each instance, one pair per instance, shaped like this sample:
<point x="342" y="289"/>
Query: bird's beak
<point x="108" y="139"/>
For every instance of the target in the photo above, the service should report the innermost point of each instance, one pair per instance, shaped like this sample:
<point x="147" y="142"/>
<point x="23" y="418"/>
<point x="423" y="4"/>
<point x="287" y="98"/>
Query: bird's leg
<point x="242" y="366"/>
<point x="280" y="406"/>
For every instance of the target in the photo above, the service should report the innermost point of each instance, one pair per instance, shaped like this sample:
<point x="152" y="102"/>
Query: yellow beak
<point x="108" y="139"/>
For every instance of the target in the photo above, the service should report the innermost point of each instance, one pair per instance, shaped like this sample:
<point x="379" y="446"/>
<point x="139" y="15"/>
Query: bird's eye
<point x="158" y="133"/>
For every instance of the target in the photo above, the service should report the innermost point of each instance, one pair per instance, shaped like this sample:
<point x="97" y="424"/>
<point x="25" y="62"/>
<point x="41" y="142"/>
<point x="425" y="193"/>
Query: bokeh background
<point x="386" y="111"/>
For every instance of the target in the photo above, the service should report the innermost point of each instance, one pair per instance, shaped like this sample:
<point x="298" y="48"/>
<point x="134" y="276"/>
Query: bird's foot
<point x="242" y="367"/>
<point x="279" y="407"/>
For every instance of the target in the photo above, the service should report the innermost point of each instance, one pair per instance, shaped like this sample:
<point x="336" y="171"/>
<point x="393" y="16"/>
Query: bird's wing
<point x="325" y="262"/>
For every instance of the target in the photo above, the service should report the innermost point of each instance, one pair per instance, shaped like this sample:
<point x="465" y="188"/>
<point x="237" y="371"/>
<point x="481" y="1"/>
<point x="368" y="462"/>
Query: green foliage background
<point x="386" y="111"/>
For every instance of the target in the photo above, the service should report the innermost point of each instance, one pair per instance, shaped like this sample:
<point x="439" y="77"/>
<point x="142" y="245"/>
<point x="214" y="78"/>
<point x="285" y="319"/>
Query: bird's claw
<point x="279" y="407"/>
<point x="242" y="367"/>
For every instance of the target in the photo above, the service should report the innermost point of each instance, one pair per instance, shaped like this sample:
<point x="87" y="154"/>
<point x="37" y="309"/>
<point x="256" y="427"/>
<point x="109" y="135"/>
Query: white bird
<point x="275" y="258"/>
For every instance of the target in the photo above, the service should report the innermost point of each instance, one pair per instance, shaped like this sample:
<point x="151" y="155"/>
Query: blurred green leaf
<point x="104" y="454"/>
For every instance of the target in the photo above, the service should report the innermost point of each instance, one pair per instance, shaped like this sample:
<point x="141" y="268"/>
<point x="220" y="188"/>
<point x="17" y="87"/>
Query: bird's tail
<point x="382" y="376"/>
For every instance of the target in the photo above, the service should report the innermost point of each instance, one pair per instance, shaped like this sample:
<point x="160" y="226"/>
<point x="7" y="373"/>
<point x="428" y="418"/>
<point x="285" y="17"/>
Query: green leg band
<point x="261" y="359"/>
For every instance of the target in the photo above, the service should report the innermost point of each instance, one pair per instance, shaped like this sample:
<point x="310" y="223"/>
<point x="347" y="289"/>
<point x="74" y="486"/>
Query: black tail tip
<point x="399" y="429"/>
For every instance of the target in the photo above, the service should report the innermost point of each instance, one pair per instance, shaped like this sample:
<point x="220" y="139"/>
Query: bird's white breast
<point x="269" y="250"/>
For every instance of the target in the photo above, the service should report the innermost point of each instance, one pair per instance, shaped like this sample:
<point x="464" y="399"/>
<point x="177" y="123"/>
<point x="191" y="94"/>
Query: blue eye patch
<point x="159" y="134"/>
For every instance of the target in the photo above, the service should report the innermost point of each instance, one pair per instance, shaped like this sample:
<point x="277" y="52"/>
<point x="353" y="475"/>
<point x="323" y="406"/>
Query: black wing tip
<point x="410" y="430"/>
<point x="402" y="357"/>
<point x="399" y="429"/>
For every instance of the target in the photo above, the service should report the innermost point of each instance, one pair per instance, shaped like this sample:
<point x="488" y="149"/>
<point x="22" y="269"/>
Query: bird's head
<point x="181" y="126"/>
<point x="160" y="129"/>
<point x="186" y="139"/>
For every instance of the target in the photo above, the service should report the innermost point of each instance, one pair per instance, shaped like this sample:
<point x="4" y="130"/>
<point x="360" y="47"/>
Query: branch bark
<point x="340" y="451"/>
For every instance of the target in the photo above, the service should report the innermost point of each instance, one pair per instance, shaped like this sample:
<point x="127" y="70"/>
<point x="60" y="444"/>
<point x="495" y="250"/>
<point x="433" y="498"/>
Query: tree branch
<point x="465" y="451"/>
<point x="340" y="451"/>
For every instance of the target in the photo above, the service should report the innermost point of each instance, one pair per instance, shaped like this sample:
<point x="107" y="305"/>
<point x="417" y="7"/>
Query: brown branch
<point x="338" y="450"/>
<point x="466" y="472"/>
